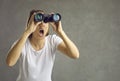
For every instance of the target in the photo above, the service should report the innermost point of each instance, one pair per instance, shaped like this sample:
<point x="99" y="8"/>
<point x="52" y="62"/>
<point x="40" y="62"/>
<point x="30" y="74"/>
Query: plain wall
<point x="93" y="25"/>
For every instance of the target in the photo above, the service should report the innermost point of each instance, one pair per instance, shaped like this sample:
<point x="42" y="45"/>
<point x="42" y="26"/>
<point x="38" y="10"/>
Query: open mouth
<point x="41" y="32"/>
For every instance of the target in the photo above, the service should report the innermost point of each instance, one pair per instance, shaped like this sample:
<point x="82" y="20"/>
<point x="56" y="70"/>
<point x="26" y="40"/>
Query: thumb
<point x="53" y="26"/>
<point x="37" y="23"/>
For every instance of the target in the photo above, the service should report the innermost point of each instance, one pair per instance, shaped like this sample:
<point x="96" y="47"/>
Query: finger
<point x="37" y="23"/>
<point x="32" y="18"/>
<point x="58" y="23"/>
<point x="53" y="26"/>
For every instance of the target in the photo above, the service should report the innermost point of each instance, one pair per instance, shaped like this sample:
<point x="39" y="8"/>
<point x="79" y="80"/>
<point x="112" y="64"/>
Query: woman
<point x="35" y="49"/>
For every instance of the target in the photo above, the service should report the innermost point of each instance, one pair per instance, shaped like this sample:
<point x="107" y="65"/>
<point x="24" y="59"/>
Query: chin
<point x="42" y="37"/>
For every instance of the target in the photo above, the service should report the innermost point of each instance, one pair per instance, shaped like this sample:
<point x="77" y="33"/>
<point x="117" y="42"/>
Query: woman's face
<point x="41" y="30"/>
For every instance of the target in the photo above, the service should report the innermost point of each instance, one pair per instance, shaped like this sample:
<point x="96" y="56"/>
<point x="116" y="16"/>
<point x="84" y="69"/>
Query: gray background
<point x="93" y="25"/>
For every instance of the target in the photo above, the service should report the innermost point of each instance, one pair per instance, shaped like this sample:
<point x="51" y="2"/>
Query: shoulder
<point x="26" y="46"/>
<point x="53" y="38"/>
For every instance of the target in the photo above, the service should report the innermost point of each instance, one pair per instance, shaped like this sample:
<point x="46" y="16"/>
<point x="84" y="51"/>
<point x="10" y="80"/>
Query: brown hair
<point x="31" y="13"/>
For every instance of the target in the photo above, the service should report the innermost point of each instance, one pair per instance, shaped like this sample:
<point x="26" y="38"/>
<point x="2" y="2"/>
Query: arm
<point x="67" y="47"/>
<point x="15" y="51"/>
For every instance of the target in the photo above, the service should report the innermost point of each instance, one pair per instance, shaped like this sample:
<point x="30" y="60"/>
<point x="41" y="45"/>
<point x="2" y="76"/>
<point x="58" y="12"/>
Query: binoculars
<point x="47" y="17"/>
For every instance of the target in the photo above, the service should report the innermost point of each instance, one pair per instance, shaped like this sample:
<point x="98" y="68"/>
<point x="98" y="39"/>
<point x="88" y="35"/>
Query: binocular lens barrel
<point x="56" y="17"/>
<point x="47" y="18"/>
<point x="38" y="17"/>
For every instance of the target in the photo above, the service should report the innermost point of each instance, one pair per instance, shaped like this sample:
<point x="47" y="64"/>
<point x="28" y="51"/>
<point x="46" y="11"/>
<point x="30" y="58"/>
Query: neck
<point x="37" y="44"/>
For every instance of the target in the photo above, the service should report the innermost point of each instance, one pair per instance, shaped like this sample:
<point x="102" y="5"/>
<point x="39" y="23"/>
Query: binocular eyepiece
<point x="47" y="17"/>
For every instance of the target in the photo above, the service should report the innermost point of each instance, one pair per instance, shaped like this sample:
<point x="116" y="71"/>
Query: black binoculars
<point x="47" y="17"/>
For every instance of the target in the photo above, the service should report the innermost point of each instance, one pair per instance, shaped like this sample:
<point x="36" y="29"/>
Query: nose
<point x="42" y="24"/>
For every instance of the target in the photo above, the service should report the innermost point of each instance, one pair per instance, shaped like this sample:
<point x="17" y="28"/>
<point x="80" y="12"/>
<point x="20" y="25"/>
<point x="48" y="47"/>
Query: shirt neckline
<point x="40" y="49"/>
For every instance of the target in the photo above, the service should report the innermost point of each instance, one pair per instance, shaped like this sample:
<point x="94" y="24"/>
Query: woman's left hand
<point x="57" y="27"/>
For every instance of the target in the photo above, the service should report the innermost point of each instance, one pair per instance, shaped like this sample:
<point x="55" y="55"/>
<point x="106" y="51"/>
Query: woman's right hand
<point x="31" y="25"/>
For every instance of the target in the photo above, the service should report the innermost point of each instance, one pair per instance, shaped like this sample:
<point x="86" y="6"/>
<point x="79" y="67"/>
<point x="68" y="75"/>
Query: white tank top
<point x="37" y="65"/>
